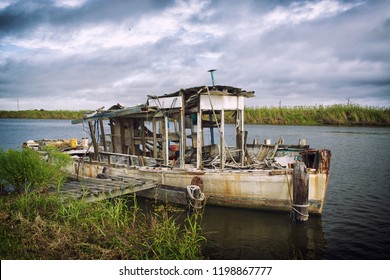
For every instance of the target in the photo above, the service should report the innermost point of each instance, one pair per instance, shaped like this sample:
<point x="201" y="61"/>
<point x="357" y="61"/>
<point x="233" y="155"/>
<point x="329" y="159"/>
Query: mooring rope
<point x="298" y="205"/>
<point x="300" y="213"/>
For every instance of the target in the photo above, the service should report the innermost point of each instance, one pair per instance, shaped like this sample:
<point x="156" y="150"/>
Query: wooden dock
<point x="95" y="189"/>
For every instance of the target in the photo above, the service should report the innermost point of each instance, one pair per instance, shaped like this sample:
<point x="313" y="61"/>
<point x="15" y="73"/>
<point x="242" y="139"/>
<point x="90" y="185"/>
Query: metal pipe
<point x="212" y="75"/>
<point x="211" y="115"/>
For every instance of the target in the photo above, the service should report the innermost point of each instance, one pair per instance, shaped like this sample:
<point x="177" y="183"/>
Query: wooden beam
<point x="199" y="133"/>
<point x="193" y="134"/>
<point x="103" y="135"/>
<point x="123" y="138"/>
<point x="222" y="140"/>
<point x="182" y="133"/>
<point x="242" y="154"/>
<point x="94" y="143"/>
<point x="143" y="138"/>
<point x="155" y="155"/>
<point x="132" y="140"/>
<point x="161" y="130"/>
<point x="166" y="141"/>
<point x="112" y="128"/>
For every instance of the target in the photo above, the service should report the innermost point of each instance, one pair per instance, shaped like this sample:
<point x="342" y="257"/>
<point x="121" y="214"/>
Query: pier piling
<point x="300" y="204"/>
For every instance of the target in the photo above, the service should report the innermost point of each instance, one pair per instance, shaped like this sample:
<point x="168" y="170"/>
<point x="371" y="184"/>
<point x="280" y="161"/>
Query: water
<point x="13" y="132"/>
<point x="356" y="220"/>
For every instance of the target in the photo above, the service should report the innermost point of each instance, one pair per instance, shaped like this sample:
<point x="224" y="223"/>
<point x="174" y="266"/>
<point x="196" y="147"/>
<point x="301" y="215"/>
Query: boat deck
<point x="95" y="189"/>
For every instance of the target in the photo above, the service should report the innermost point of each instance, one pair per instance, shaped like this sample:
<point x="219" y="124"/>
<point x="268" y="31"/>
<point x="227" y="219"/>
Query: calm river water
<point x="356" y="220"/>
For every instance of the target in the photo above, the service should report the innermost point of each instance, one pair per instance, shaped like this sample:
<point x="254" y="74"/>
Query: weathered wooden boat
<point x="165" y="140"/>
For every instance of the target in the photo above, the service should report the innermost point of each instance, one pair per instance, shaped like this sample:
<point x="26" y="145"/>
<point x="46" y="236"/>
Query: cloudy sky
<point x="85" y="54"/>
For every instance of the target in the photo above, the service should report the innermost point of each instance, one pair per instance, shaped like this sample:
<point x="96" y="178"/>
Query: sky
<point x="86" y="54"/>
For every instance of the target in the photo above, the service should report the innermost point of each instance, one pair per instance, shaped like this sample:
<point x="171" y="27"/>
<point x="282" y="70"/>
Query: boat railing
<point x="127" y="160"/>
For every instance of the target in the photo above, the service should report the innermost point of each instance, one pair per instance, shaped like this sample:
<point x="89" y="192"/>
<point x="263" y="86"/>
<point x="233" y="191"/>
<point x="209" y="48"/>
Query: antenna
<point x="212" y="75"/>
<point x="210" y="114"/>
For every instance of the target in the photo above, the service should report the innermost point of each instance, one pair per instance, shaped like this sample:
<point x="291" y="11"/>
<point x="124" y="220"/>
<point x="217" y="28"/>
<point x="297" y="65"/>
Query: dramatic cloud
<point x="84" y="54"/>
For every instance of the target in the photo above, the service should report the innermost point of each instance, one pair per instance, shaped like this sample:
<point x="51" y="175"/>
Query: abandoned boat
<point x="164" y="140"/>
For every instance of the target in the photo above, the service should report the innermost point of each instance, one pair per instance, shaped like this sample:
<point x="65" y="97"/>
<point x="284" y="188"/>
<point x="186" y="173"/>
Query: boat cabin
<point x="169" y="130"/>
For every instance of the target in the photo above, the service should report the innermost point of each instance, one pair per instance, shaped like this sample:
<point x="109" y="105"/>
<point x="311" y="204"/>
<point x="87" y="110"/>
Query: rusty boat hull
<point x="255" y="189"/>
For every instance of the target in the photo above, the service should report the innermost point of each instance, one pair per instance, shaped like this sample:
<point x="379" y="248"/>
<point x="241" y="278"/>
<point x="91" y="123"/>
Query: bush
<point x="27" y="170"/>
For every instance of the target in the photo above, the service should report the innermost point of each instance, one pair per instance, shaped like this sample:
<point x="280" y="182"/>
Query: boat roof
<point x="227" y="90"/>
<point x="153" y="103"/>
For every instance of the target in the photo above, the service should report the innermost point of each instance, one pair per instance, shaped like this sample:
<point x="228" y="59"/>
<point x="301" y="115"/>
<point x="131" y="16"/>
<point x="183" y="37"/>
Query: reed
<point x="167" y="238"/>
<point x="339" y="114"/>
<point x="347" y="115"/>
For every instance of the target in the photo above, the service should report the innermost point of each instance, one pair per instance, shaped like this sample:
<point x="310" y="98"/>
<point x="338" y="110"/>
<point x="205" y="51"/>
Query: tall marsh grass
<point x="339" y="114"/>
<point x="348" y="115"/>
<point x="167" y="239"/>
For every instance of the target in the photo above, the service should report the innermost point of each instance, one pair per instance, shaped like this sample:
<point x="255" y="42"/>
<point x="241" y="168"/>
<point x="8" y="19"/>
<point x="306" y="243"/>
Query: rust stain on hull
<point x="254" y="190"/>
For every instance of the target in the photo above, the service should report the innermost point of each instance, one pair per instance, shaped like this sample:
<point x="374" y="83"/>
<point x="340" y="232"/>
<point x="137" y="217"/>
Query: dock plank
<point x="95" y="189"/>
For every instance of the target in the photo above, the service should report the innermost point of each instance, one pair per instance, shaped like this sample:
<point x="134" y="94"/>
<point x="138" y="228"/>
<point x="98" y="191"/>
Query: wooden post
<point x="94" y="143"/>
<point x="113" y="142"/>
<point x="132" y="140"/>
<point x="300" y="204"/>
<point x="161" y="132"/>
<point x="155" y="155"/>
<point x="240" y="136"/>
<point x="199" y="135"/>
<point x="182" y="133"/>
<point x="123" y="138"/>
<point x="166" y="141"/>
<point x="221" y="139"/>
<point x="193" y="134"/>
<point x="143" y="141"/>
<point x="242" y="140"/>
<point x="103" y="135"/>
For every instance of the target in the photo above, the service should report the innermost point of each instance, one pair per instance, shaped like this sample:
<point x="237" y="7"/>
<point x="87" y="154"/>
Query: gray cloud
<point x="73" y="54"/>
<point x="26" y="15"/>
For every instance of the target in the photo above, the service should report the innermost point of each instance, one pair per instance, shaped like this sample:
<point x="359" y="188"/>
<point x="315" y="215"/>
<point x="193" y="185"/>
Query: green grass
<point x="26" y="170"/>
<point x="43" y="114"/>
<point x="38" y="224"/>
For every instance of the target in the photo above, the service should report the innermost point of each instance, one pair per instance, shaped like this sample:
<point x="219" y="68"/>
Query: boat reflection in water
<point x="248" y="234"/>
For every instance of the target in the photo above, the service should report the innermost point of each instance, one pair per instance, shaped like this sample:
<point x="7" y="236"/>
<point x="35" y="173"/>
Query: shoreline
<point x="333" y="115"/>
